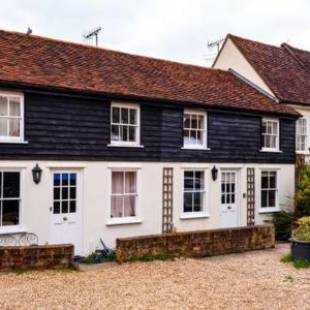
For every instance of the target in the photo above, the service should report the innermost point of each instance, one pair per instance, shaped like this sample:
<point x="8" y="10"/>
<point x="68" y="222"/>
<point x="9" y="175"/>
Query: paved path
<point x="254" y="280"/>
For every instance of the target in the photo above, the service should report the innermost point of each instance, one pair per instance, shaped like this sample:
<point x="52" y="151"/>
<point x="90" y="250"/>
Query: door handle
<point x="65" y="218"/>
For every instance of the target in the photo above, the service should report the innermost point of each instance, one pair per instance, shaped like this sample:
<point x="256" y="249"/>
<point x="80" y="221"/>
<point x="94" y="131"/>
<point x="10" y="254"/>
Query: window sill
<point x="270" y="150"/>
<point x="13" y="141"/>
<point x="196" y="148"/>
<point x="5" y="230"/>
<point x="123" y="221"/>
<point x="125" y="145"/>
<point x="193" y="215"/>
<point x="269" y="210"/>
<point x="302" y="152"/>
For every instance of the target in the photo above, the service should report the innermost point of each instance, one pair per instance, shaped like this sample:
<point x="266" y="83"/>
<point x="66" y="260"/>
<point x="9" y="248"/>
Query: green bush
<point x="283" y="222"/>
<point x="302" y="232"/>
<point x="302" y="196"/>
<point x="297" y="262"/>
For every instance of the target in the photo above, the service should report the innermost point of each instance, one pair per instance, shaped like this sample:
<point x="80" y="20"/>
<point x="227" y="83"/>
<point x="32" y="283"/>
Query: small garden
<point x="295" y="226"/>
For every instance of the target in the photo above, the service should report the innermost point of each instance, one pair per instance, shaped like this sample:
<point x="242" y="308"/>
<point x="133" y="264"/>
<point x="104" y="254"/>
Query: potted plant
<point x="300" y="243"/>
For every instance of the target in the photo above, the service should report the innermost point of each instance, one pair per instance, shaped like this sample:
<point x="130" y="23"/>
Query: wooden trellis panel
<point x="167" y="221"/>
<point x="250" y="196"/>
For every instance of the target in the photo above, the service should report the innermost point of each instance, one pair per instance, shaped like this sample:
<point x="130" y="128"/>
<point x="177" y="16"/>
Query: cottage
<point x="282" y="73"/>
<point x="96" y="143"/>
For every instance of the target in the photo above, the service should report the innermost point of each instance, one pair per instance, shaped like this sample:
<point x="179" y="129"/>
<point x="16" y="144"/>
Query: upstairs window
<point x="269" y="190"/>
<point x="301" y="135"/>
<point x="270" y="134"/>
<point x="125" y="125"/>
<point x="194" y="129"/>
<point x="11" y="118"/>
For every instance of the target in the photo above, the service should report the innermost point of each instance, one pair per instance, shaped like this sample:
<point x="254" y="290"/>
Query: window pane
<point x="272" y="179"/>
<point x="201" y="123"/>
<point x="14" y="107"/>
<point x="10" y="184"/>
<point x="272" y="198"/>
<point x="65" y="179"/>
<point x="64" y="193"/>
<point x="56" y="179"/>
<point x="124" y="115"/>
<point x="116" y="206"/>
<point x="56" y="193"/>
<point x="72" y="192"/>
<point x="116" y="115"/>
<point x="132" y="134"/>
<point x="186" y="121"/>
<point x="10" y="212"/>
<point x="198" y="202"/>
<point x="186" y="139"/>
<point x="133" y="116"/>
<point x="130" y="182"/>
<point x="188" y="180"/>
<point x="72" y="206"/>
<point x="124" y="133"/>
<point x="56" y="208"/>
<point x="115" y="133"/>
<point x="194" y="122"/>
<point x="199" y="182"/>
<point x="199" y="137"/>
<point x="264" y="202"/>
<point x="188" y="202"/>
<point x="14" y="127"/>
<point x="265" y="183"/>
<point x="129" y="206"/>
<point x="117" y="182"/>
<point x="3" y="106"/>
<point x="3" y="127"/>
<point x="192" y="138"/>
<point x="65" y="207"/>
<point x="72" y="179"/>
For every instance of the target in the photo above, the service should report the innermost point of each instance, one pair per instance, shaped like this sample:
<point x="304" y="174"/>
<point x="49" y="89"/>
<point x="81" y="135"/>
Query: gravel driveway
<point x="254" y="280"/>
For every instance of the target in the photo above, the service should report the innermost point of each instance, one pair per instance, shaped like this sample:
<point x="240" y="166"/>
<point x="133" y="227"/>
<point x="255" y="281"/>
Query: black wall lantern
<point x="214" y="172"/>
<point x="36" y="174"/>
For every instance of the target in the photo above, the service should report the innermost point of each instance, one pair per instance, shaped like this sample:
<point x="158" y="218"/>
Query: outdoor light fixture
<point x="36" y="174"/>
<point x="214" y="172"/>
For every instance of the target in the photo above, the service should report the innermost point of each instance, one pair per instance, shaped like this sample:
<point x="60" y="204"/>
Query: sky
<point x="177" y="30"/>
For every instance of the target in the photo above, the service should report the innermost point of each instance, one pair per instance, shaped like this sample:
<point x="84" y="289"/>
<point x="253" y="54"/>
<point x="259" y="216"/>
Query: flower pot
<point x="300" y="249"/>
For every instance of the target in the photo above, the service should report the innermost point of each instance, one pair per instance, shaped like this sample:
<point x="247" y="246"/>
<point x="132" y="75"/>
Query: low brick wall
<point x="37" y="257"/>
<point x="197" y="243"/>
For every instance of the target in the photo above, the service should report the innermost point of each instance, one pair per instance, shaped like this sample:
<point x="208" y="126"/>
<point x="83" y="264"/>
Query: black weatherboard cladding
<point x="72" y="128"/>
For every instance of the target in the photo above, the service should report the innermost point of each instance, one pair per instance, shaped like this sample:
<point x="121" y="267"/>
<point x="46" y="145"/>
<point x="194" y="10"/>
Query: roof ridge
<point x="289" y="50"/>
<point x="107" y="49"/>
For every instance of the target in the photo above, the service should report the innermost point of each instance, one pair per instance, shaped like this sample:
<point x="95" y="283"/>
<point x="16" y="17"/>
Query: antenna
<point x="215" y="43"/>
<point x="92" y="34"/>
<point x="29" y="31"/>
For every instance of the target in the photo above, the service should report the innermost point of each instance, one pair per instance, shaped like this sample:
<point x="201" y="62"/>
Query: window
<point x="269" y="189"/>
<point x="194" y="129"/>
<point x="270" y="133"/>
<point x="11" y="117"/>
<point x="124" y="194"/>
<point x="65" y="193"/>
<point x="194" y="191"/>
<point x="125" y="128"/>
<point x="301" y="135"/>
<point x="9" y="198"/>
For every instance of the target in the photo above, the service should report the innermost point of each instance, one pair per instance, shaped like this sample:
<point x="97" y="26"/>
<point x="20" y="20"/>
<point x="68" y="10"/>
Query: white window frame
<point x="305" y="151"/>
<point x="203" y="131"/>
<point x="276" y="148"/>
<point x="205" y="211"/>
<point x="21" y="137"/>
<point x="137" y="126"/>
<point x="276" y="208"/>
<point x="129" y="219"/>
<point x="20" y="228"/>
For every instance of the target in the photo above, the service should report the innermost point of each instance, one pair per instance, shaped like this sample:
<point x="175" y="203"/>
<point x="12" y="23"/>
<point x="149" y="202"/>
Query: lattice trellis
<point x="167" y="223"/>
<point x="250" y="196"/>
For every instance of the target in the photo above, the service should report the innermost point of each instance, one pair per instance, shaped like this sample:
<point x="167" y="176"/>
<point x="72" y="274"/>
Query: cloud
<point x="172" y="29"/>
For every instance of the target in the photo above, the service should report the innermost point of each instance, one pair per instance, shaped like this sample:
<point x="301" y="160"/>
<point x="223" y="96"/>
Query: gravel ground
<point x="253" y="280"/>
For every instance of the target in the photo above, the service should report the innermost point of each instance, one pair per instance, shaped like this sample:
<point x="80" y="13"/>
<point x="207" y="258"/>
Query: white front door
<point x="65" y="212"/>
<point x="229" y="198"/>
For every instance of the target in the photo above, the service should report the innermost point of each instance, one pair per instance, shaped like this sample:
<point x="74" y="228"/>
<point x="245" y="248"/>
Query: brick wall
<point x="197" y="243"/>
<point x="45" y="256"/>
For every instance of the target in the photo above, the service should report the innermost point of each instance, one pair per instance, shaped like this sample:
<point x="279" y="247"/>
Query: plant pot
<point x="300" y="249"/>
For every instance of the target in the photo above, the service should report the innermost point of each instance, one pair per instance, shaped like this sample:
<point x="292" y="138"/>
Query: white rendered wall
<point x="36" y="199"/>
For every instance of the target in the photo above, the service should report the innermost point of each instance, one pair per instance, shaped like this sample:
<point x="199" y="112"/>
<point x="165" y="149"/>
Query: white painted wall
<point x="36" y="199"/>
<point x="231" y="58"/>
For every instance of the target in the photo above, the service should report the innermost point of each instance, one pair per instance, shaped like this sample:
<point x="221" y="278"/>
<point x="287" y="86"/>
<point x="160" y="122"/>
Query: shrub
<point x="302" y="232"/>
<point x="302" y="196"/>
<point x="297" y="262"/>
<point x="283" y="222"/>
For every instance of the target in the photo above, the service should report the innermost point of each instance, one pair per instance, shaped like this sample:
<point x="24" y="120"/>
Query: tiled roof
<point x="283" y="68"/>
<point x="42" y="62"/>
